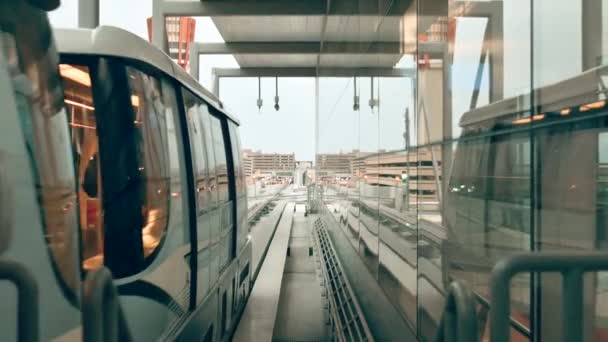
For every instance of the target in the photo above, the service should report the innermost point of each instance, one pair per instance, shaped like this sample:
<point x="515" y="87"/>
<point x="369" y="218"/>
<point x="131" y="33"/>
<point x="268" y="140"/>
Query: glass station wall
<point x="519" y="122"/>
<point x="272" y="140"/>
<point x="495" y="145"/>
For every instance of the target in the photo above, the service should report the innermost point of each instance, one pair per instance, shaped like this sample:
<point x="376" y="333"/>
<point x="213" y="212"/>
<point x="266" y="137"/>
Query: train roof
<point x="585" y="88"/>
<point x="115" y="42"/>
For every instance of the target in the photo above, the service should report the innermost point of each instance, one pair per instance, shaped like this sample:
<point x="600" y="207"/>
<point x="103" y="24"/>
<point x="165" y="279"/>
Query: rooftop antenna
<point x="276" y="96"/>
<point x="260" y="102"/>
<point x="355" y="96"/>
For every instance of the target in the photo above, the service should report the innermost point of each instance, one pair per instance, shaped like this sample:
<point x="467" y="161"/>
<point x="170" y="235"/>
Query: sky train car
<point x="39" y="243"/>
<point x="537" y="180"/>
<point x="160" y="186"/>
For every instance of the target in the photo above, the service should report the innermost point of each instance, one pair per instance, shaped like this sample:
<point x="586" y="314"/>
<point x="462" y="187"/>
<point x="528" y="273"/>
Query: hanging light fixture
<point x="276" y="96"/>
<point x="260" y="102"/>
<point x="355" y="96"/>
<point x="372" y="101"/>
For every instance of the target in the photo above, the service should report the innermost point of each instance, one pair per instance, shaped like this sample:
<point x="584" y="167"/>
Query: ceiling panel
<point x="276" y="60"/>
<point x="269" y="28"/>
<point x="359" y="60"/>
<point x="363" y="28"/>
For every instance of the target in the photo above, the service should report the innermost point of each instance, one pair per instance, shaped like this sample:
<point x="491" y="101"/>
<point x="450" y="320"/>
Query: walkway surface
<point x="258" y="320"/>
<point x="301" y="315"/>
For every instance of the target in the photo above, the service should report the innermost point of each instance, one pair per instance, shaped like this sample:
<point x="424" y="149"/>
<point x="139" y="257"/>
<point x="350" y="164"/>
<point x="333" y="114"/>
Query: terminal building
<point x="416" y="172"/>
<point x="258" y="163"/>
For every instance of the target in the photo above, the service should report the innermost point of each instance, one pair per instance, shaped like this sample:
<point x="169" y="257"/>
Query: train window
<point x="237" y="158"/>
<point x="85" y="147"/>
<point x="124" y="169"/>
<point x="214" y="215"/>
<point x="211" y="157"/>
<point x="602" y="190"/>
<point x="151" y="123"/>
<point x="510" y="177"/>
<point x="226" y="205"/>
<point x="220" y="159"/>
<point x="470" y="169"/>
<point x="199" y="154"/>
<point x="206" y="193"/>
<point x="32" y="65"/>
<point x="241" y="190"/>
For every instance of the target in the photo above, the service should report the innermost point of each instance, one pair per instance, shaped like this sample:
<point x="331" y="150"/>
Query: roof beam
<point x="312" y="72"/>
<point x="242" y="48"/>
<point x="278" y="7"/>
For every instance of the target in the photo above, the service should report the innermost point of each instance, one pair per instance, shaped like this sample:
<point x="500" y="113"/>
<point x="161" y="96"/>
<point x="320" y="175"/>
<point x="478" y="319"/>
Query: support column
<point x="592" y="33"/>
<point x="88" y="14"/>
<point x="216" y="84"/>
<point x="193" y="61"/>
<point x="316" y="127"/>
<point x="159" y="29"/>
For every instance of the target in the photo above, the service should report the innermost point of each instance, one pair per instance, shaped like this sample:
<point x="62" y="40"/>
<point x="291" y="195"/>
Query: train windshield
<point x="28" y="50"/>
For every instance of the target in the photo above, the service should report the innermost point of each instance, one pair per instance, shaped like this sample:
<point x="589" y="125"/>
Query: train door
<point x="38" y="216"/>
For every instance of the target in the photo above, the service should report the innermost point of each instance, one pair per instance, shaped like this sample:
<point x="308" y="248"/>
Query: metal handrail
<point x="572" y="267"/>
<point x="27" y="299"/>
<point x="343" y="298"/>
<point x="102" y="318"/>
<point x="459" y="320"/>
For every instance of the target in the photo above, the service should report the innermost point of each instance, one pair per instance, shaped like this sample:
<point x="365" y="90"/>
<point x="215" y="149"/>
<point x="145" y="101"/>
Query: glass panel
<point x="81" y="117"/>
<point x="32" y="66"/>
<point x="213" y="217"/>
<point x="220" y="159"/>
<point x="433" y="205"/>
<point x="203" y="193"/>
<point x="570" y="165"/>
<point x="151" y="123"/>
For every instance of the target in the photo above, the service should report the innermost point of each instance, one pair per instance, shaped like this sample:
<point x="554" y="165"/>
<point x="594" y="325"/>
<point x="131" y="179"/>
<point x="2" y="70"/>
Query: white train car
<point x="160" y="187"/>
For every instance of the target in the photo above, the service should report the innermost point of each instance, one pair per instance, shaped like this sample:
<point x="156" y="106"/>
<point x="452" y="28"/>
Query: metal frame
<point x="241" y="48"/>
<point x="274" y="7"/>
<point x="219" y="73"/>
<point x="459" y="320"/>
<point x="102" y="318"/>
<point x="345" y="311"/>
<point x="572" y="267"/>
<point x="28" y="313"/>
<point x="88" y="13"/>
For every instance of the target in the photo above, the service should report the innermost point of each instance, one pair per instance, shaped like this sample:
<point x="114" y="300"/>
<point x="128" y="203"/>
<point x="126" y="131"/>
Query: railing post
<point x="500" y="285"/>
<point x="459" y="321"/>
<point x="102" y="319"/>
<point x="28" y="315"/>
<point x="572" y="302"/>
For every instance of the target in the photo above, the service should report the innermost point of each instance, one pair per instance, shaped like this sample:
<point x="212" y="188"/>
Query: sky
<point x="556" y="45"/>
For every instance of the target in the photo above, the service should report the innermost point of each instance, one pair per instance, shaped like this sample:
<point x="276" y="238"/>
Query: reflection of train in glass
<point x="141" y="174"/>
<point x="537" y="180"/>
<point x="38" y="215"/>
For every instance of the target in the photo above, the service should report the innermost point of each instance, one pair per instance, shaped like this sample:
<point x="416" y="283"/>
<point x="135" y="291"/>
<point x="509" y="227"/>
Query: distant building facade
<point x="414" y="170"/>
<point x="274" y="164"/>
<point x="328" y="164"/>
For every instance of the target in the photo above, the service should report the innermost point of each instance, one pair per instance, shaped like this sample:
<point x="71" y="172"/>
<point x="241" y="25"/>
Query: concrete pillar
<point x="592" y="33"/>
<point x="88" y="13"/>
<point x="316" y="125"/>
<point x="216" y="84"/>
<point x="193" y="61"/>
<point x="159" y="29"/>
